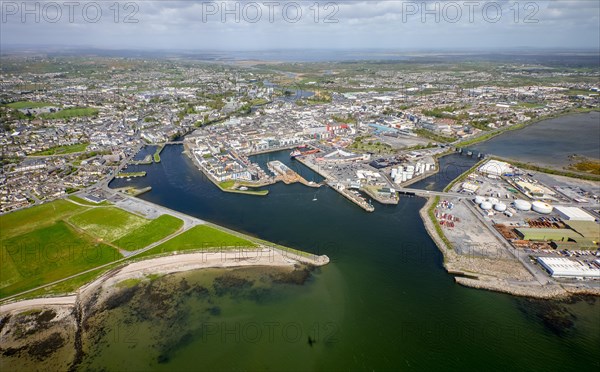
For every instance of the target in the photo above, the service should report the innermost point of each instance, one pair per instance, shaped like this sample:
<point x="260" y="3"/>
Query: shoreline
<point x="165" y="265"/>
<point x="488" y="136"/>
<point x="480" y="280"/>
<point x="61" y="325"/>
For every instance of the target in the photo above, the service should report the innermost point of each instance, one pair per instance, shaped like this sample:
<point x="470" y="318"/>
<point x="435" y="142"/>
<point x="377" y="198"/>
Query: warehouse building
<point x="561" y="267"/>
<point x="495" y="168"/>
<point x="573" y="213"/>
<point x="547" y="234"/>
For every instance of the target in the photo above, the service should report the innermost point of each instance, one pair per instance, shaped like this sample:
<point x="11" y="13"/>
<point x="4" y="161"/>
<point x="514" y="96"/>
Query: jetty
<point x="284" y="173"/>
<point x="131" y="174"/>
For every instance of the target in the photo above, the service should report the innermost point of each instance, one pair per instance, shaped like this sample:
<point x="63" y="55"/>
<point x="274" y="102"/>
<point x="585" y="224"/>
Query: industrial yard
<point x="545" y="224"/>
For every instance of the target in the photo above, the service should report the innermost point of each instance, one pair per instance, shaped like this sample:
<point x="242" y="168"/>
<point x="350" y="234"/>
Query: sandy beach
<point x="48" y="332"/>
<point x="162" y="265"/>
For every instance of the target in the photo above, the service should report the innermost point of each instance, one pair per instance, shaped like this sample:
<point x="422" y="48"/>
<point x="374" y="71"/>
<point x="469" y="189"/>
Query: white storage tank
<point x="479" y="199"/>
<point x="541" y="207"/>
<point x="522" y="205"/>
<point x="486" y="206"/>
<point x="500" y="207"/>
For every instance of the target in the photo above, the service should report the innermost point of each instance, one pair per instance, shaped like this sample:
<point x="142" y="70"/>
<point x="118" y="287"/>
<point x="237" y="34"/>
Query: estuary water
<point x="384" y="302"/>
<point x="549" y="142"/>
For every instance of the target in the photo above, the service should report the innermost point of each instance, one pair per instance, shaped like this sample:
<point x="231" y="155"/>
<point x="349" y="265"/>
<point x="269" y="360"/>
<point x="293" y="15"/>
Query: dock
<point x="352" y="196"/>
<point x="131" y="174"/>
<point x="146" y="161"/>
<point x="284" y="173"/>
<point x="348" y="194"/>
<point x="379" y="198"/>
<point x="133" y="191"/>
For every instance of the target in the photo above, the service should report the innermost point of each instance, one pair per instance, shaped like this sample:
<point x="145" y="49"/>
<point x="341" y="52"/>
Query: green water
<point x="384" y="302"/>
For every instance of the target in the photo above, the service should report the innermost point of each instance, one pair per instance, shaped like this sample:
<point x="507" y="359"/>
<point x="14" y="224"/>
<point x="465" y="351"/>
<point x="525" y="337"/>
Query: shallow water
<point x="549" y="142"/>
<point x="384" y="301"/>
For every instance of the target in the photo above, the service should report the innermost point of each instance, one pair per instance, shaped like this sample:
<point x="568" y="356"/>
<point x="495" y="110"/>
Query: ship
<point x="294" y="154"/>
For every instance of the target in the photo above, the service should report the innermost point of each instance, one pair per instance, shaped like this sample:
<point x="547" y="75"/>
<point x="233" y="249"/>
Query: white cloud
<point x="360" y="24"/>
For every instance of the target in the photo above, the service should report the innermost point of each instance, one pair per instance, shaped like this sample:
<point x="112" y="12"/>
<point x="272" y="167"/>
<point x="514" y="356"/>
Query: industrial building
<point x="547" y="234"/>
<point x="470" y="187"/>
<point x="589" y="230"/>
<point x="561" y="267"/>
<point x="573" y="214"/>
<point x="495" y="168"/>
<point x="531" y="189"/>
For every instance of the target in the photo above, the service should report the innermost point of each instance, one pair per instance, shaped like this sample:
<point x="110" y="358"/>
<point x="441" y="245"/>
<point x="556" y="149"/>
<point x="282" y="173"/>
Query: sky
<point x="271" y="25"/>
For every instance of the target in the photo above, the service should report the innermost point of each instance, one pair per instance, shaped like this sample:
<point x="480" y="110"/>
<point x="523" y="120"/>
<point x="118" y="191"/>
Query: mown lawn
<point x="71" y="113"/>
<point x="107" y="223"/>
<point x="55" y="240"/>
<point x="60" y="150"/>
<point x="200" y="237"/>
<point x="145" y="235"/>
<point x="47" y="254"/>
<point x="29" y="219"/>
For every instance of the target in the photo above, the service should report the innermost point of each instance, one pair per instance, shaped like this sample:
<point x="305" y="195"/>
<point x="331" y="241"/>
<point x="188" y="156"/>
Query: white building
<point x="573" y="213"/>
<point x="562" y="267"/>
<point x="495" y="168"/>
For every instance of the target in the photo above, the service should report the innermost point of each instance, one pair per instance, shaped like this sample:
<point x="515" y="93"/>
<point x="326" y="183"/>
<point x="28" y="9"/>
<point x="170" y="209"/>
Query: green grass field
<point x="52" y="241"/>
<point x="197" y="238"/>
<point x="71" y="113"/>
<point x="29" y="104"/>
<point x="228" y="186"/>
<point x="48" y="254"/>
<point x="107" y="223"/>
<point x="29" y="219"/>
<point x="60" y="150"/>
<point x="147" y="234"/>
